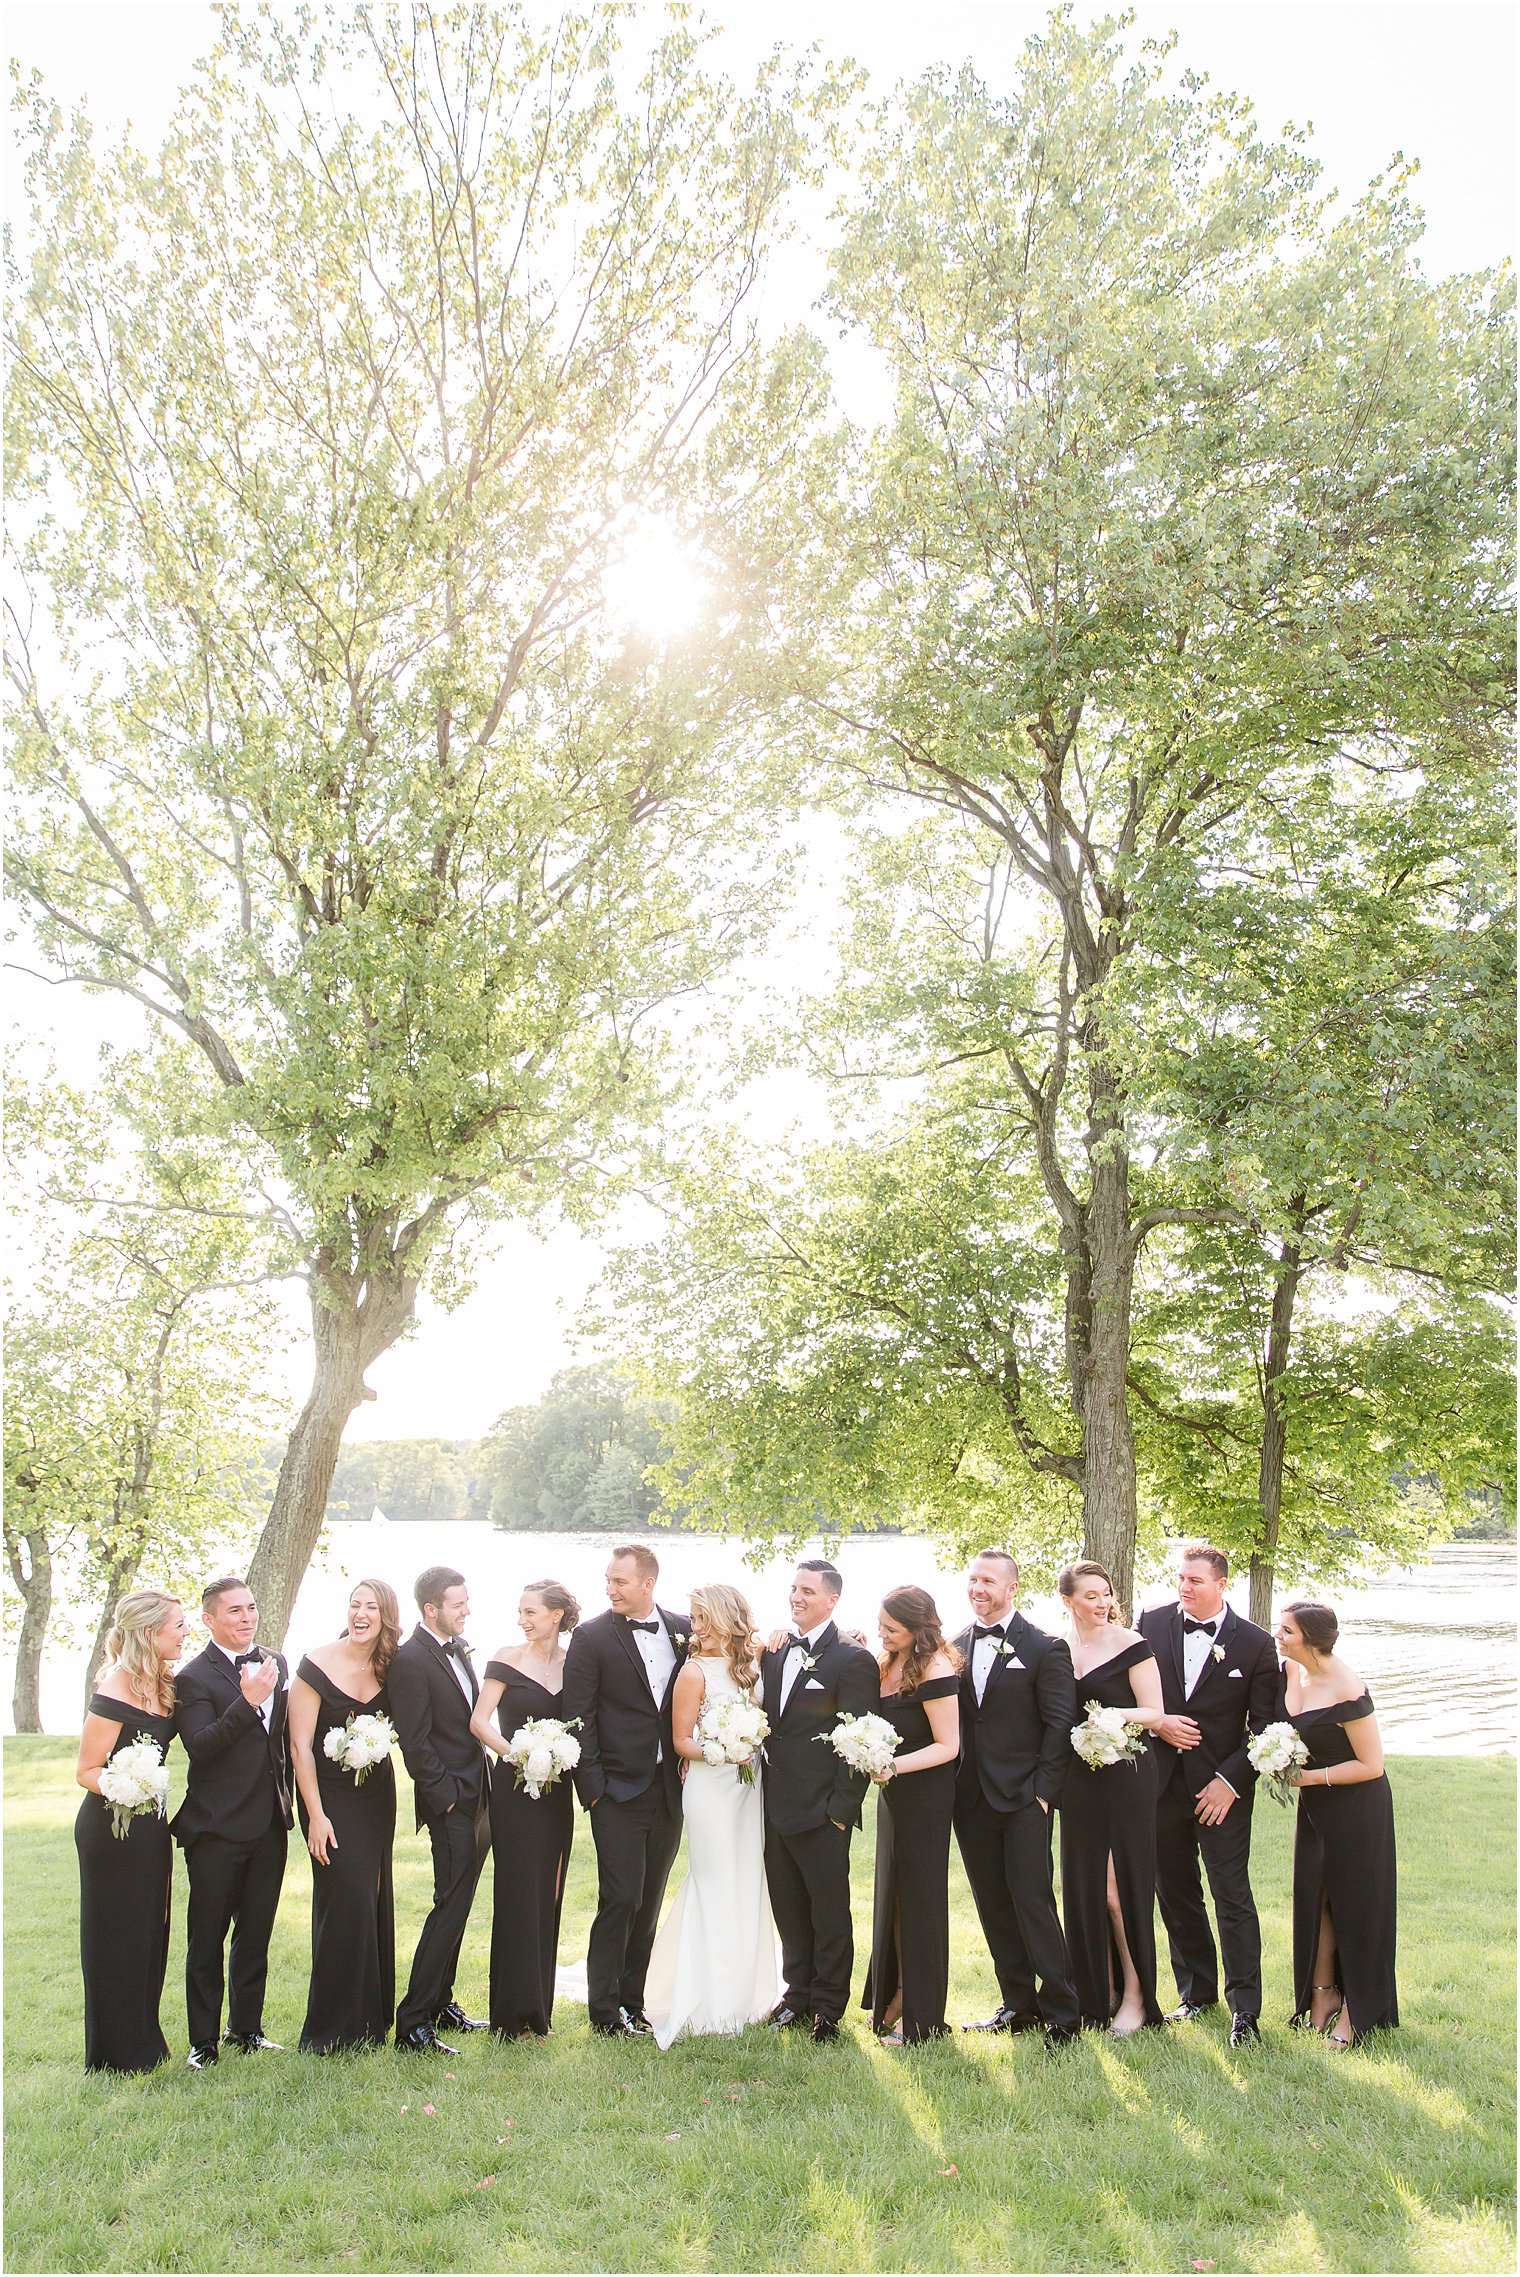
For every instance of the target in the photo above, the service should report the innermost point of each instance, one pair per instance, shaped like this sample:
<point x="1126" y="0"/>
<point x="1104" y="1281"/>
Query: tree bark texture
<point x="355" y="1318"/>
<point x="34" y="1580"/>
<point x="1274" y="1428"/>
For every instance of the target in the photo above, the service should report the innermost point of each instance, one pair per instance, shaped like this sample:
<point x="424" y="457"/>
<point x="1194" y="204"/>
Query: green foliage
<point x="327" y="425"/>
<point x="579" y="1457"/>
<point x="405" y="1478"/>
<point x="139" y="1341"/>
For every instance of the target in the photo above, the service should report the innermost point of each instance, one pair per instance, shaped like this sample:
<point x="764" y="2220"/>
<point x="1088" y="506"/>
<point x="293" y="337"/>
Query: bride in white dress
<point x="715" y="1964"/>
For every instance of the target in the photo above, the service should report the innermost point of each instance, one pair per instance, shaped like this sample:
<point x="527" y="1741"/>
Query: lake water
<point x="1436" y="1642"/>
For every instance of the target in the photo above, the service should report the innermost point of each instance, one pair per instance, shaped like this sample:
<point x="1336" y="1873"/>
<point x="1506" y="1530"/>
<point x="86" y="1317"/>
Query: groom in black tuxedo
<point x="813" y="1798"/>
<point x="1018" y="1704"/>
<point x="433" y="1689"/>
<point x="620" y="1672"/>
<point x="1219" y="1674"/>
<point x="234" y="1823"/>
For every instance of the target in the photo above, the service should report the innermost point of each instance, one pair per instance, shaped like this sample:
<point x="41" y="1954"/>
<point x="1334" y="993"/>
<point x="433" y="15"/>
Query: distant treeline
<point x="579" y="1458"/>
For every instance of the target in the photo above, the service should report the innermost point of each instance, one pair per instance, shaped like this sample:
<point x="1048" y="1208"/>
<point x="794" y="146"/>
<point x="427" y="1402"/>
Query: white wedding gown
<point x="716" y="1962"/>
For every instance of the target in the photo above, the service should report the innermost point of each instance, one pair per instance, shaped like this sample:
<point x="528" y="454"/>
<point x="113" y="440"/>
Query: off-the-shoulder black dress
<point x="352" y="2000"/>
<point x="124" y="1914"/>
<point x="1110" y="1813"/>
<point x="530" y="1850"/>
<point x="1343" y="1850"/>
<point x="910" y="1927"/>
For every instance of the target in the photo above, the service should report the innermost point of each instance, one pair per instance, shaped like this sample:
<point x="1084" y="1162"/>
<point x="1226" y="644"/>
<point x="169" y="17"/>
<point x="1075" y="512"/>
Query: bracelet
<point x="1327" y="1774"/>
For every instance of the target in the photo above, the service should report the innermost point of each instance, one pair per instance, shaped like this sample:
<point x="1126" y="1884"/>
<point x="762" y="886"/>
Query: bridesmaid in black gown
<point x="350" y="1828"/>
<point x="124" y="1883"/>
<point x="909" y="1973"/>
<point x="1345" y="1871"/>
<point x="1108" y="1819"/>
<point x="530" y="1836"/>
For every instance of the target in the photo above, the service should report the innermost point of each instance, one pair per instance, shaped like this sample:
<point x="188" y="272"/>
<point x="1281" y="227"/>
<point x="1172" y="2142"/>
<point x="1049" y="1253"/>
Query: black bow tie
<point x="456" y="1648"/>
<point x="792" y="1638"/>
<point x="1198" y="1628"/>
<point x="978" y="1633"/>
<point x="242" y="1659"/>
<point x="650" y="1628"/>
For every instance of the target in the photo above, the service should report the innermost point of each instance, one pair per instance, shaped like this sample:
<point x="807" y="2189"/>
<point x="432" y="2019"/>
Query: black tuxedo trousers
<point x="1226" y="1854"/>
<point x="460" y="1838"/>
<point x="636" y="1844"/>
<point x="1009" y="1864"/>
<point x="236" y="1886"/>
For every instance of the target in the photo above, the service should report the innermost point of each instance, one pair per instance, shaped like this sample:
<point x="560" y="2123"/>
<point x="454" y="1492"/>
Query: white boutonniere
<point x="677" y="1638"/>
<point x="1005" y="1649"/>
<point x="1216" y="1652"/>
<point x="809" y="1660"/>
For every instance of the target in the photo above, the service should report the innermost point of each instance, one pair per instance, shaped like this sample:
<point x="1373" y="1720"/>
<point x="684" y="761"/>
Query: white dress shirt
<point x="265" y="1707"/>
<point x="791" y="1667"/>
<point x="656" y="1652"/>
<point x="984" y="1653"/>
<point x="1196" y="1650"/>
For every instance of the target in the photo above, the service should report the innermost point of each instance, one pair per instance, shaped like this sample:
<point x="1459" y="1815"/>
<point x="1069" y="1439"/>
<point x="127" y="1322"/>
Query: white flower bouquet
<point x="734" y="1731"/>
<point x="134" y="1783"/>
<point x="866" y="1743"/>
<point x="360" y="1744"/>
<point x="1107" y="1736"/>
<point x="540" y="1751"/>
<point x="1274" y="1754"/>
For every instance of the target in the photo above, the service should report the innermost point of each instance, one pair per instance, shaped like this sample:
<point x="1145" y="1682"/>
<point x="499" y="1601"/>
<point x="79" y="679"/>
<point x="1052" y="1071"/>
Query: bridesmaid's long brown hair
<point x="914" y="1609"/>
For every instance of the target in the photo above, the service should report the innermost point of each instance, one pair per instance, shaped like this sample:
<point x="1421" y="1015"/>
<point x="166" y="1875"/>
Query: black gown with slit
<point x="352" y="2000"/>
<point x="530" y="1851"/>
<point x="910" y="1923"/>
<point x="124" y="1913"/>
<point x="1110" y="1813"/>
<point x="1343" y="1851"/>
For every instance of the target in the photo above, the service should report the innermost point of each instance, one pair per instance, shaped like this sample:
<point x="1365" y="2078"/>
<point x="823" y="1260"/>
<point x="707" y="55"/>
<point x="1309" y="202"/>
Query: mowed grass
<point x="1167" y="2152"/>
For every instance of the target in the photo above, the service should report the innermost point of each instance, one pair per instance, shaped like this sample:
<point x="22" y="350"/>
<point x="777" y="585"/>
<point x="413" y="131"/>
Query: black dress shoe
<point x="784" y="2019"/>
<point x="422" y="2040"/>
<point x="1059" y="2036"/>
<point x="457" y="2021"/>
<point x="621" y="2030"/>
<point x="1009" y="2020"/>
<point x="1243" y="2030"/>
<point x="1188" y="2011"/>
<point x="825" y="2028"/>
<point x="638" y="2022"/>
<point x="201" y="2058"/>
<point x="252" y="2042"/>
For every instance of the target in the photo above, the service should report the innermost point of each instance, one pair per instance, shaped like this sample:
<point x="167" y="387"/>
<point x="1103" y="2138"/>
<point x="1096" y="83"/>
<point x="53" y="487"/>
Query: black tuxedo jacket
<point x="239" y="1772"/>
<point x="1016" y="1747"/>
<point x="806" y="1783"/>
<point x="1242" y="1689"/>
<point x="623" y="1726"/>
<point x="432" y="1719"/>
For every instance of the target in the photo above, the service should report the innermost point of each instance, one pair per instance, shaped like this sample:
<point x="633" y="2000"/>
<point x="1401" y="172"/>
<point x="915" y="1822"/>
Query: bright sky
<point x="1436" y="82"/>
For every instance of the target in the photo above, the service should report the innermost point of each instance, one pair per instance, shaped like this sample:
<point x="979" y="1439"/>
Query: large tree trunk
<point x="1108" y="1442"/>
<point x="35" y="1584"/>
<point x="354" y="1320"/>
<point x="1274" y="1426"/>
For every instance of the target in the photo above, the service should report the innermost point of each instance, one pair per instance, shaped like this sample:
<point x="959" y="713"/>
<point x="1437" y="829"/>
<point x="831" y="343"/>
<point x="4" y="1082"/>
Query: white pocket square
<point x="1232" y="1672"/>
<point x="1013" y="1661"/>
<point x="813" y="1685"/>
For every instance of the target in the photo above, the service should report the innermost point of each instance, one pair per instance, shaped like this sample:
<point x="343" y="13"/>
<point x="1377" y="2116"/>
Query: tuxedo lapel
<point x="677" y="1646"/>
<point x="1174" y="1650"/>
<point x="999" y="1668"/>
<point x="624" y="1635"/>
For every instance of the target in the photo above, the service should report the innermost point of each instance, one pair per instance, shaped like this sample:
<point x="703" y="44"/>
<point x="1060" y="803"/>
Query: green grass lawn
<point x="1167" y="2152"/>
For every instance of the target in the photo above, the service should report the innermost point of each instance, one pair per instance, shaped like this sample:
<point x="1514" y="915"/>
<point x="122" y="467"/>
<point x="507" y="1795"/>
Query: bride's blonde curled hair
<point x="136" y="1621"/>
<point x="730" y="1628"/>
